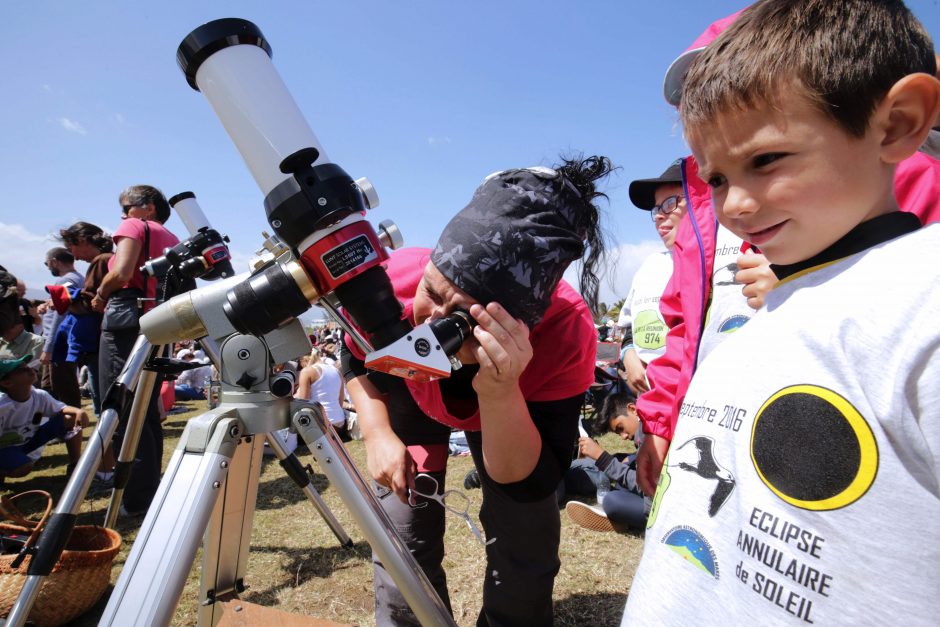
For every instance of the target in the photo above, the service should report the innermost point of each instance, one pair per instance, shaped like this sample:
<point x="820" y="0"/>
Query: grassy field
<point x="297" y="565"/>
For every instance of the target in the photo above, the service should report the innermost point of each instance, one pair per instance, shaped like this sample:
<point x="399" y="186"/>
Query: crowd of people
<point x="779" y="358"/>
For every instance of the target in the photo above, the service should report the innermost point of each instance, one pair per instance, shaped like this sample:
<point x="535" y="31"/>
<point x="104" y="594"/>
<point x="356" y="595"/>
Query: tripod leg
<point x="52" y="541"/>
<point x="301" y="477"/>
<point x="135" y="424"/>
<point x="155" y="572"/>
<point x="374" y="523"/>
<point x="228" y="535"/>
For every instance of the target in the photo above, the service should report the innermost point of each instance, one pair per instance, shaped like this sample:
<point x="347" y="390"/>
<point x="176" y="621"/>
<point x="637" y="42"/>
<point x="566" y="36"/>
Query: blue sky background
<point x="424" y="98"/>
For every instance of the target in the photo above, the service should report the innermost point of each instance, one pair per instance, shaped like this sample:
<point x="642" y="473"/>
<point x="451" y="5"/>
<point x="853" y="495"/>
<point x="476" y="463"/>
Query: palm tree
<point x="614" y="311"/>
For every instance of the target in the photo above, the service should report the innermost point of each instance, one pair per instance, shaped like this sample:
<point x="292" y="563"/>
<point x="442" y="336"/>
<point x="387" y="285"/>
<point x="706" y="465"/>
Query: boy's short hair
<point x="846" y="54"/>
<point x="614" y="405"/>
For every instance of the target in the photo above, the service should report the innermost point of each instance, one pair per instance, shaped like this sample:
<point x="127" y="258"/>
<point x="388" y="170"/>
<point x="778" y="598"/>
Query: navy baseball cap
<point x="643" y="191"/>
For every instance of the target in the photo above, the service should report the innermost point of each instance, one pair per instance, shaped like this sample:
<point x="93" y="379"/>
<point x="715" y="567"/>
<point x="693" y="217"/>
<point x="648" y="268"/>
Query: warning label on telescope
<point x="348" y="256"/>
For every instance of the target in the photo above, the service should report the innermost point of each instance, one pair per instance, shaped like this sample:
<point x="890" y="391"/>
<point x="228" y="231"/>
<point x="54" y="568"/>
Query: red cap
<point x="675" y="75"/>
<point x="61" y="298"/>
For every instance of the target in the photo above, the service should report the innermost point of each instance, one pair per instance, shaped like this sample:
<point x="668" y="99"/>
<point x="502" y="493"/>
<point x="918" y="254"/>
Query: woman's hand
<point x="98" y="303"/>
<point x="511" y="443"/>
<point x="390" y="464"/>
<point x="503" y="350"/>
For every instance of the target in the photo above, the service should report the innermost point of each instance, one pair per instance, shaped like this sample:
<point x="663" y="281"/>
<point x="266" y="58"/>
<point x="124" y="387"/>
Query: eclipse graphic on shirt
<point x="813" y="449"/>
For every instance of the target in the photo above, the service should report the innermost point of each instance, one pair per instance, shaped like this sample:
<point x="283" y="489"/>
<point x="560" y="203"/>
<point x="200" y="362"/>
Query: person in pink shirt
<point x="141" y="236"/>
<point x="517" y="397"/>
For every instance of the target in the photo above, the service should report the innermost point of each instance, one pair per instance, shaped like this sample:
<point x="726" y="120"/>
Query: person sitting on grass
<point x="191" y="384"/>
<point x="621" y="505"/>
<point x="30" y="418"/>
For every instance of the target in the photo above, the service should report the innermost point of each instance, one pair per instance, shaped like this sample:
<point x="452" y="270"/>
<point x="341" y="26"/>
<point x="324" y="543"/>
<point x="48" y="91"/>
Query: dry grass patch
<point x="297" y="565"/>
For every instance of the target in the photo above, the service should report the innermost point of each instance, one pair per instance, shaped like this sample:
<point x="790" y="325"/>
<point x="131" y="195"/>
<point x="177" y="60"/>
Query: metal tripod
<point x="209" y="490"/>
<point x="131" y="392"/>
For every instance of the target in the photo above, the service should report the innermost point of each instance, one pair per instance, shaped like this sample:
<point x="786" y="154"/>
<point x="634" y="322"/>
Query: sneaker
<point x="131" y="514"/>
<point x="472" y="480"/>
<point x="100" y="486"/>
<point x="592" y="518"/>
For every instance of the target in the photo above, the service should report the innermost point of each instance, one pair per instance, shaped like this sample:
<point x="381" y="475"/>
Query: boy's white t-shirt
<point x="19" y="421"/>
<point x="728" y="309"/>
<point x="802" y="485"/>
<point x="640" y="309"/>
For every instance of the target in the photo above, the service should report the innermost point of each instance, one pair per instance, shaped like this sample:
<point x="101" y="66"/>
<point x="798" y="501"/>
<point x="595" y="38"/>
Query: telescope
<point x="204" y="255"/>
<point x="324" y="250"/>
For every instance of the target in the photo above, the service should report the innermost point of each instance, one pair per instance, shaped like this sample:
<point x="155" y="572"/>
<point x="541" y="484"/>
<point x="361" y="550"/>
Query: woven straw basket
<point x="77" y="580"/>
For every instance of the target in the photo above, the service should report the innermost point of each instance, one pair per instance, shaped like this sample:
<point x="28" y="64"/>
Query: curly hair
<point x="584" y="173"/>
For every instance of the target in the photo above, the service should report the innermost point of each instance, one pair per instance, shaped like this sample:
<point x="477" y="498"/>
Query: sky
<point x="425" y="98"/>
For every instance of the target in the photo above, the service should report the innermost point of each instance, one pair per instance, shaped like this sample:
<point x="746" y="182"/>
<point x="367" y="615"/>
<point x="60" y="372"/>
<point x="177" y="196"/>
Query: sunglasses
<point x="126" y="208"/>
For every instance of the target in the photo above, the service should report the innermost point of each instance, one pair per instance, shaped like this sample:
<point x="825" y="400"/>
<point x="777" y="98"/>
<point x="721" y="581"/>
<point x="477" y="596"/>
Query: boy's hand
<point x="755" y="275"/>
<point x="589" y="448"/>
<point x="75" y="419"/>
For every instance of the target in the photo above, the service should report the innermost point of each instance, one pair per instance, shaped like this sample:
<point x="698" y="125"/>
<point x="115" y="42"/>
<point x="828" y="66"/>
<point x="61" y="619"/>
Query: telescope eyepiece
<point x="453" y="330"/>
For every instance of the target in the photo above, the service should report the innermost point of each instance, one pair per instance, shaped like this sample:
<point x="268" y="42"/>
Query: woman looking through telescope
<point x="527" y="364"/>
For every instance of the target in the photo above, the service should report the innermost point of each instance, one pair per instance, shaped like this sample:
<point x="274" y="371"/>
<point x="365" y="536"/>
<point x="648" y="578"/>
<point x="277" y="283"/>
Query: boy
<point x="622" y="507"/>
<point x="22" y="430"/>
<point x="804" y="465"/>
<point x="694" y="293"/>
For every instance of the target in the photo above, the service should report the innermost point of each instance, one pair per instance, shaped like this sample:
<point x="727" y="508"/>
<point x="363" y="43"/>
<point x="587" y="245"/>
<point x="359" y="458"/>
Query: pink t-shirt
<point x="160" y="239"/>
<point x="564" y="344"/>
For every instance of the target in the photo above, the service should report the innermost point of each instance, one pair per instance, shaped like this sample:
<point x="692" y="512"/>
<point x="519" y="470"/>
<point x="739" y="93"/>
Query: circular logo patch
<point x="422" y="347"/>
<point x="813" y="449"/>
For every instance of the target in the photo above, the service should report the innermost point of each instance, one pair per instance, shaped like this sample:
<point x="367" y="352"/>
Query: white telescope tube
<point x="257" y="111"/>
<point x="189" y="211"/>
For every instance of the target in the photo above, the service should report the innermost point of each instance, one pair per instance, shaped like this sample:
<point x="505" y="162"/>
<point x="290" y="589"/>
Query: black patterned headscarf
<point x="514" y="240"/>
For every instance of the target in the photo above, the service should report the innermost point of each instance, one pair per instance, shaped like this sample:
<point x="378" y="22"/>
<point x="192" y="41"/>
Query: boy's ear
<point x="906" y="114"/>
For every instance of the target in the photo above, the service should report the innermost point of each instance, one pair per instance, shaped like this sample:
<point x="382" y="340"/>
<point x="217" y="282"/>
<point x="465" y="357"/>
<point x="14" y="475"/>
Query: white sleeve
<point x="48" y="405"/>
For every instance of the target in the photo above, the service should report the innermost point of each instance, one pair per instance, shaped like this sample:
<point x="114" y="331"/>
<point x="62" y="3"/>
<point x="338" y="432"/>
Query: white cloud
<point x="23" y="254"/>
<point x="72" y="126"/>
<point x="47" y="88"/>
<point x="617" y="273"/>
<point x="433" y="141"/>
<point x="120" y="119"/>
